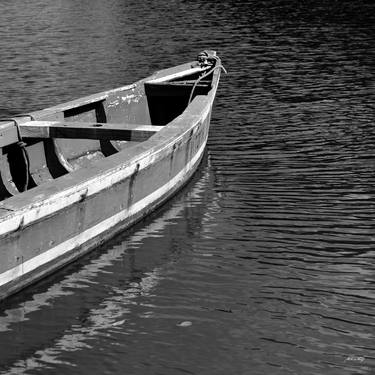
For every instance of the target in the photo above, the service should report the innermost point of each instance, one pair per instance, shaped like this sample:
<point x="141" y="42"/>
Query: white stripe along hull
<point x="182" y="157"/>
<point x="82" y="238"/>
<point x="51" y="225"/>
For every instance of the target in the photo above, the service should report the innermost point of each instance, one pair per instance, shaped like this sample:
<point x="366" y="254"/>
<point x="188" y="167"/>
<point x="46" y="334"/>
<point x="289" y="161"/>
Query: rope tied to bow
<point x="205" y="60"/>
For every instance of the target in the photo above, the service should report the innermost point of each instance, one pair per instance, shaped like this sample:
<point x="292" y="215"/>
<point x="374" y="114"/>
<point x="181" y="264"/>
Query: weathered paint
<point x="175" y="75"/>
<point x="54" y="223"/>
<point x="87" y="130"/>
<point x="78" y="240"/>
<point x="83" y="221"/>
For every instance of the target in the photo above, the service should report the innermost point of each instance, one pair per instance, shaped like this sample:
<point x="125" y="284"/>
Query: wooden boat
<point x="73" y="175"/>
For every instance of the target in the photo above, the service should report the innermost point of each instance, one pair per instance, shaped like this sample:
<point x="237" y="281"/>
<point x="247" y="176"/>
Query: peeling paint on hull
<point x="49" y="226"/>
<point x="32" y="269"/>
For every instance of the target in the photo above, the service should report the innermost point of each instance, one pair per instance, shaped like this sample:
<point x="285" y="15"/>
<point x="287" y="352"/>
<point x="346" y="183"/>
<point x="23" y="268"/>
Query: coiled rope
<point x="215" y="67"/>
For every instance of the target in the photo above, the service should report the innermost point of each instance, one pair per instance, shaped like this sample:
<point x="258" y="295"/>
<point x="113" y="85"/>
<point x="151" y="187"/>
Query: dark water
<point x="265" y="262"/>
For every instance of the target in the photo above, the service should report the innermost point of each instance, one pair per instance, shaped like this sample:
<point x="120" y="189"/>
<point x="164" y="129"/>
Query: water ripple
<point x="266" y="262"/>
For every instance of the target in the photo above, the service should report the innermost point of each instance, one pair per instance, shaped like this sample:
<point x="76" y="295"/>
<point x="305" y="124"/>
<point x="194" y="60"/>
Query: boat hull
<point x="45" y="228"/>
<point x="36" y="250"/>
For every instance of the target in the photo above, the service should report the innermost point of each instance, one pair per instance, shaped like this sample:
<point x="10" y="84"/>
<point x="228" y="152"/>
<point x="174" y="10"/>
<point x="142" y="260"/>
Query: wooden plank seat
<point x="46" y="160"/>
<point x="87" y="130"/>
<point x="81" y="130"/>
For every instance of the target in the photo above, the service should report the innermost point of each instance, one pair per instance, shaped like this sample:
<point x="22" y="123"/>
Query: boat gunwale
<point x="159" y="76"/>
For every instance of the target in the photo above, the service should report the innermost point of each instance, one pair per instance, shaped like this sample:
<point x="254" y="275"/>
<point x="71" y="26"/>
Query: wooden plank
<point x="178" y="74"/>
<point x="80" y="102"/>
<point x="8" y="133"/>
<point x="88" y="130"/>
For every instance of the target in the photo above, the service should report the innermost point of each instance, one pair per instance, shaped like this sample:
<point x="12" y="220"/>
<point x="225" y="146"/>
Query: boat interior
<point x="44" y="145"/>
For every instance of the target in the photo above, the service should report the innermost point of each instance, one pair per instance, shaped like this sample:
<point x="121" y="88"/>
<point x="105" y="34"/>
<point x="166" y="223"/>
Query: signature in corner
<point x="355" y="358"/>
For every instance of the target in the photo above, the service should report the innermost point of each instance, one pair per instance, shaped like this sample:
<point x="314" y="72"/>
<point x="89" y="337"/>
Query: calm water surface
<point x="265" y="262"/>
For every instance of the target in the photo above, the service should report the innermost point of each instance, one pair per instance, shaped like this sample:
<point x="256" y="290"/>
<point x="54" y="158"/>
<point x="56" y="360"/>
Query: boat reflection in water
<point x="104" y="293"/>
<point x="73" y="175"/>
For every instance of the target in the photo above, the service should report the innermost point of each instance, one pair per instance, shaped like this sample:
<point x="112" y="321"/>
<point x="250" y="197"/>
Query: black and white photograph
<point x="187" y="187"/>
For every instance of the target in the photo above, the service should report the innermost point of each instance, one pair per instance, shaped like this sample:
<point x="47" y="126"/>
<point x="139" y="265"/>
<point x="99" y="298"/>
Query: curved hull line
<point x="68" y="197"/>
<point x="80" y="239"/>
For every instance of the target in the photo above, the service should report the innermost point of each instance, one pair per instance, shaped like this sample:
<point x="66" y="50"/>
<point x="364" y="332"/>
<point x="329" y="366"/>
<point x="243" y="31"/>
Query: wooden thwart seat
<point x="78" y="130"/>
<point x="87" y="130"/>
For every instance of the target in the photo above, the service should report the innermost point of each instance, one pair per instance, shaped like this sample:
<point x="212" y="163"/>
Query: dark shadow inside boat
<point x="87" y="130"/>
<point x="167" y="100"/>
